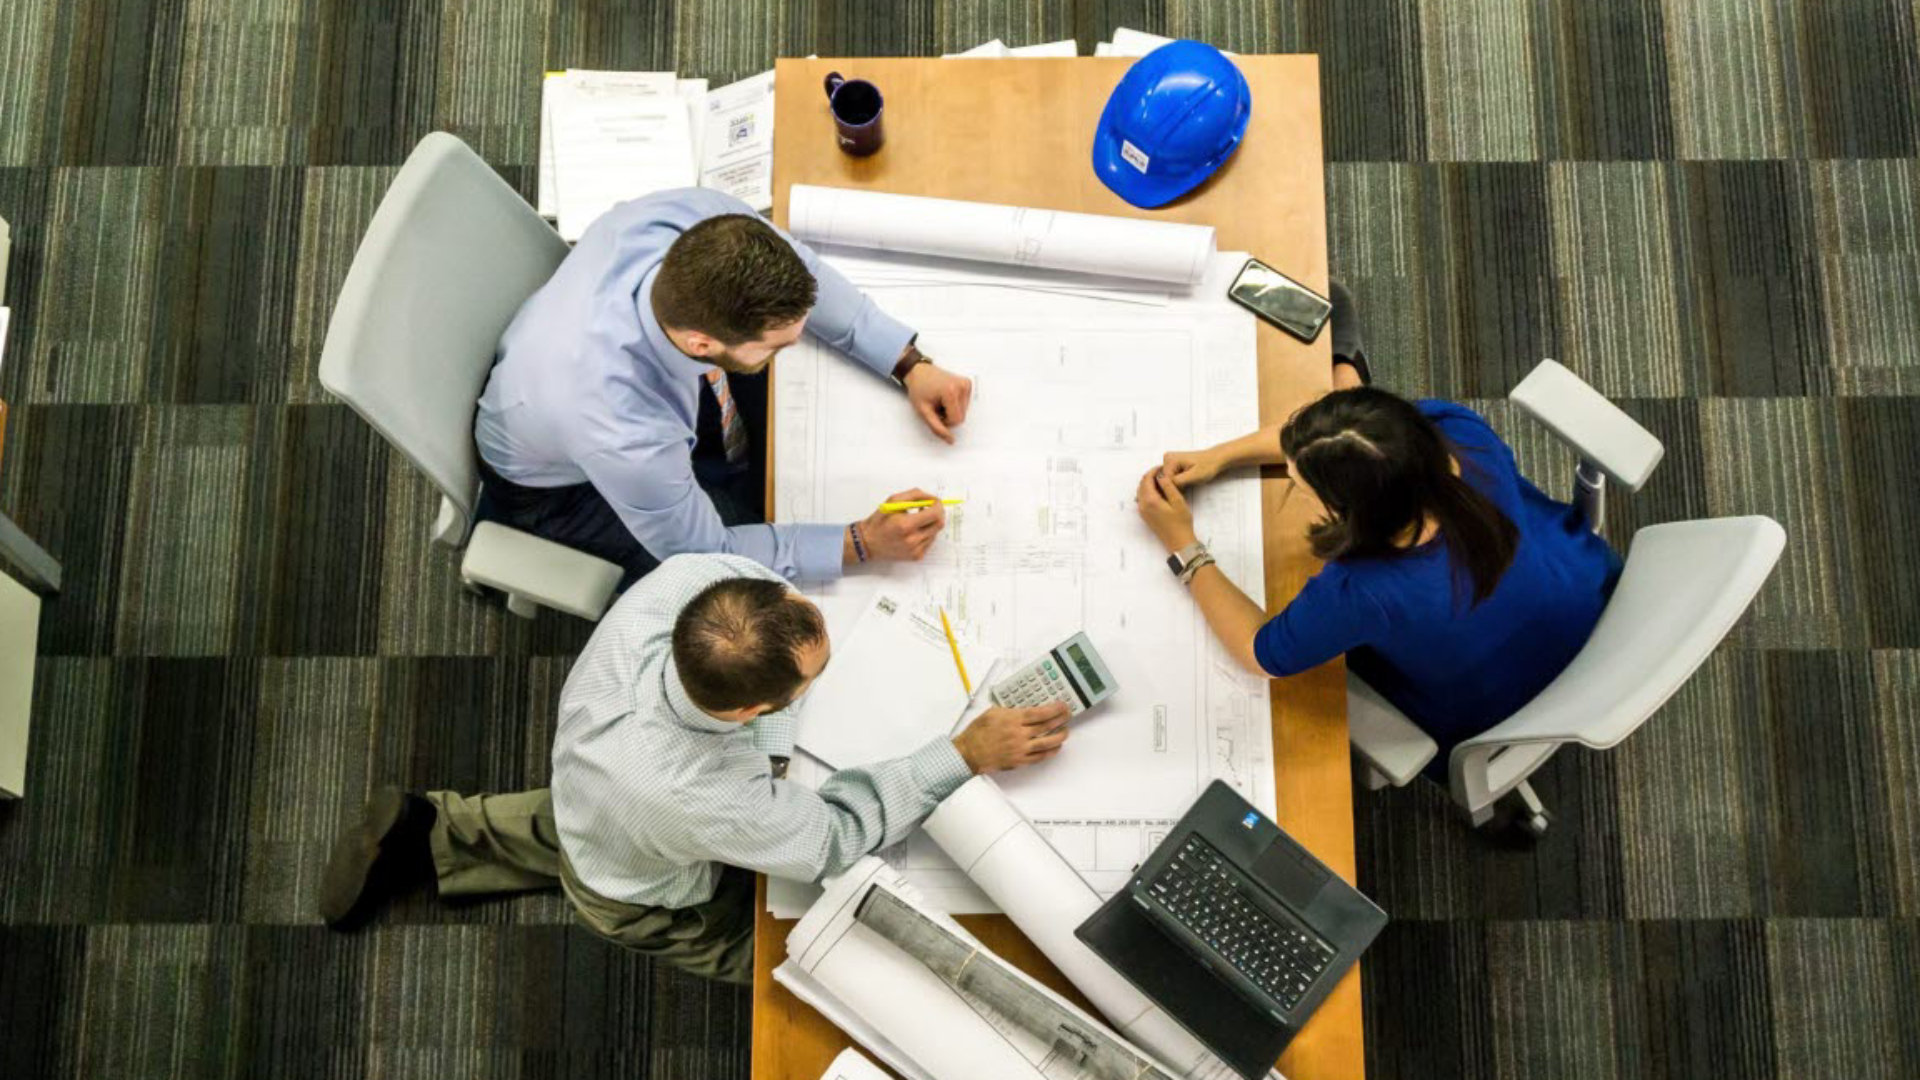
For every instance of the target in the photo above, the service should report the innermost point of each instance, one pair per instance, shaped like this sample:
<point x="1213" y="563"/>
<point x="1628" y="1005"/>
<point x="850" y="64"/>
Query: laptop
<point x="1233" y="929"/>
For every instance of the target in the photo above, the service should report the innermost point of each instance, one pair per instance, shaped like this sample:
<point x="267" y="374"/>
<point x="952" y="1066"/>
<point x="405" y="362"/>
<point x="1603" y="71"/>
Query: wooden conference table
<point x="1021" y="131"/>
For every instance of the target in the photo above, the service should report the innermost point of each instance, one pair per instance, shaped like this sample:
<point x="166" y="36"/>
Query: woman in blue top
<point x="1455" y="587"/>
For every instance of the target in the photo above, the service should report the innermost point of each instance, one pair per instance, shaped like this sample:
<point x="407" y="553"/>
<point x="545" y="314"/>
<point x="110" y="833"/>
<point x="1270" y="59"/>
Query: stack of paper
<point x="891" y="685"/>
<point x="610" y="136"/>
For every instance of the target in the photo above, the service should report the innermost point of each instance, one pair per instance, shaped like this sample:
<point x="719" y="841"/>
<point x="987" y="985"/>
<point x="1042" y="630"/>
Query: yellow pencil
<point x="916" y="504"/>
<point x="955" y="646"/>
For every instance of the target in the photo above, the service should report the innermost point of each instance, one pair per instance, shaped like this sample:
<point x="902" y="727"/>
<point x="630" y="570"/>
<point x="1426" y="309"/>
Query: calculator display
<point x="1086" y="669"/>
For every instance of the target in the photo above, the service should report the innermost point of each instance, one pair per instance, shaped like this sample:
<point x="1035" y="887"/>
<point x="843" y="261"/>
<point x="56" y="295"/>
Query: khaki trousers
<point x="490" y="844"/>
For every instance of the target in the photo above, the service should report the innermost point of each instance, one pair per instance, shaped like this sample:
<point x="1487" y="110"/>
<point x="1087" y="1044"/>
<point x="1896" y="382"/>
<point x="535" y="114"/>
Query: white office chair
<point x="1684" y="586"/>
<point x="450" y="256"/>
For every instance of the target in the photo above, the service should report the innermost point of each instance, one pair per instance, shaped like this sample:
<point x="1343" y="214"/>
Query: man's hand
<point x="1190" y="468"/>
<point x="1165" y="510"/>
<point x="904" y="536"/>
<point x="1001" y="739"/>
<point x="940" y="397"/>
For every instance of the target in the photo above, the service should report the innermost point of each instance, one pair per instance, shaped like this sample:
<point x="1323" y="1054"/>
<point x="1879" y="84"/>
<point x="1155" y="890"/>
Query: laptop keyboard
<point x="1204" y="892"/>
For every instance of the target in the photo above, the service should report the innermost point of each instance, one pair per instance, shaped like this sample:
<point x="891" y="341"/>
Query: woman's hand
<point x="1191" y="468"/>
<point x="1165" y="510"/>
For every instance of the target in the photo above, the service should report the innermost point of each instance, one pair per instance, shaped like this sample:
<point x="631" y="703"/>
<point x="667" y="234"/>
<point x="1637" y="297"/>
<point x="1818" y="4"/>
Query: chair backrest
<point x="451" y="254"/>
<point x="1684" y="586"/>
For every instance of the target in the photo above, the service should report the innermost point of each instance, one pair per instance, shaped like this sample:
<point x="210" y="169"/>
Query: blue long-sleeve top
<point x="589" y="389"/>
<point x="1410" y="629"/>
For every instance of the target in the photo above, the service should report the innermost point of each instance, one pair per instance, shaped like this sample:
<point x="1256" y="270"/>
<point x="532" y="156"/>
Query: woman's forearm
<point x="1232" y="615"/>
<point x="1260" y="448"/>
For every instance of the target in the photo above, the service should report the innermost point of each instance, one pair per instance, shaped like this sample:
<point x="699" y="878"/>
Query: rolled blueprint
<point x="1096" y="244"/>
<point x="913" y="984"/>
<point x="1015" y="866"/>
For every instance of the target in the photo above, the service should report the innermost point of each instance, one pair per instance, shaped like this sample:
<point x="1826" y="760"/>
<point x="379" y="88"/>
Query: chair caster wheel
<point x="1536" y="824"/>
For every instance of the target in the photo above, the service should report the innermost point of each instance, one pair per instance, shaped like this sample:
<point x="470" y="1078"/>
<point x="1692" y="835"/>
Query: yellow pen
<point x="955" y="646"/>
<point x="916" y="504"/>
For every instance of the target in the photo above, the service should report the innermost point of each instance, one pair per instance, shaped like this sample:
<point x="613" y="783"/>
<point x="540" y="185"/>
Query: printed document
<point x="609" y="150"/>
<point x="738" y="154"/>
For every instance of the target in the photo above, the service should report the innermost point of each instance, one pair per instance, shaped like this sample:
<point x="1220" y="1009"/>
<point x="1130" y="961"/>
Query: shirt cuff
<point x="882" y="341"/>
<point x="817" y="550"/>
<point x="939" y="769"/>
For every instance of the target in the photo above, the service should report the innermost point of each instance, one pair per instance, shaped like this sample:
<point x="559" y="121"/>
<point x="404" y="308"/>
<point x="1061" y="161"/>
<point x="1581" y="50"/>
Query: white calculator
<point x="1070" y="672"/>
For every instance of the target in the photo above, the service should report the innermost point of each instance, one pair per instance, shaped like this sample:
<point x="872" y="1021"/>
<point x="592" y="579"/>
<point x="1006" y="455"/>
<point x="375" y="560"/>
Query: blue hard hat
<point x="1177" y="115"/>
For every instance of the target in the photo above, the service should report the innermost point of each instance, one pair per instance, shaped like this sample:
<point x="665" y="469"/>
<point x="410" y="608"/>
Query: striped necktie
<point x="733" y="430"/>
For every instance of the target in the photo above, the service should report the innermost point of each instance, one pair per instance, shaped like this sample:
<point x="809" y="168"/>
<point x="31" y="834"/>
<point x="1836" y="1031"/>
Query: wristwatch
<point x="909" y="360"/>
<point x="1188" y="560"/>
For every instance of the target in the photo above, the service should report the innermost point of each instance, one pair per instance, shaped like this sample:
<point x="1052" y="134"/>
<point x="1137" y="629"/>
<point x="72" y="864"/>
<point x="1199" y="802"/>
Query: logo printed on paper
<point x="1133" y="155"/>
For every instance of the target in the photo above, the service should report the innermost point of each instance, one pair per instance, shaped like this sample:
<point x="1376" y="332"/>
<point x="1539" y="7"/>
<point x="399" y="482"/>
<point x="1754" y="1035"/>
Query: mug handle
<point x="832" y="83"/>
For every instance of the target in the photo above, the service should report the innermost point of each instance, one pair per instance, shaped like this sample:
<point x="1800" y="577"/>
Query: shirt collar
<point x="684" y="712"/>
<point x="663" y="347"/>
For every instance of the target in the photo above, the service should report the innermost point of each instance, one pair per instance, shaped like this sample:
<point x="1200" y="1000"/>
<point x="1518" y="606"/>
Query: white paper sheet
<point x="851" y="1064"/>
<point x="915" y="1013"/>
<point x="1128" y="42"/>
<point x="1021" y="236"/>
<point x="609" y="150"/>
<point x="739" y="141"/>
<point x="693" y="92"/>
<point x="803" y="986"/>
<point x="985" y="50"/>
<point x="1002" y="853"/>
<point x="1063" y="47"/>
<point x="1074" y="398"/>
<point x="586" y="84"/>
<point x="890" y="686"/>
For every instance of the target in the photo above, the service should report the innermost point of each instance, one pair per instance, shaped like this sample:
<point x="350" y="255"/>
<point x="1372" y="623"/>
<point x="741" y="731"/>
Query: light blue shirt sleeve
<point x="652" y="487"/>
<point x="846" y="319"/>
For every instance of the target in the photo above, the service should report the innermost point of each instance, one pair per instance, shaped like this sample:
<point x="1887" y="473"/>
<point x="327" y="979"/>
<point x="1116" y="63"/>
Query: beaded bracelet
<point x="859" y="547"/>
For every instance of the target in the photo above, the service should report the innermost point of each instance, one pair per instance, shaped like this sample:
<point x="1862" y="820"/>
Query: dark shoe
<point x="1345" y="321"/>
<point x="372" y="862"/>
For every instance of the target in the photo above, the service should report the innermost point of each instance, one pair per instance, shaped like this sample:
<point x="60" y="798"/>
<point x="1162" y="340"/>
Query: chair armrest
<point x="1383" y="736"/>
<point x="527" y="568"/>
<point x="1583" y="418"/>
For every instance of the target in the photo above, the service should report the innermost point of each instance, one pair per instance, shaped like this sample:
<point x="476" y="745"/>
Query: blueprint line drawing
<point x="1074" y="399"/>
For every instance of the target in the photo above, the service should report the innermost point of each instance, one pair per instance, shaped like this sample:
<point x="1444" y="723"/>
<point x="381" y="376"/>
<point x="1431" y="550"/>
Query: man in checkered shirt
<point x="669" y="787"/>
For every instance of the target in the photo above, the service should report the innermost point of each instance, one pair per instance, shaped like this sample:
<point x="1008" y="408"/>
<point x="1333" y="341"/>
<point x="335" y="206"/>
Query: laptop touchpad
<point x="1289" y="875"/>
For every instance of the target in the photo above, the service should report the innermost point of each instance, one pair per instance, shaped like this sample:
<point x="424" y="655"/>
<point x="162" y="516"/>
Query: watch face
<point x="1173" y="564"/>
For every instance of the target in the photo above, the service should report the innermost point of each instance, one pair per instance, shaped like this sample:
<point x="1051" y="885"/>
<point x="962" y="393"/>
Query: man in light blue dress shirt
<point x="624" y="413"/>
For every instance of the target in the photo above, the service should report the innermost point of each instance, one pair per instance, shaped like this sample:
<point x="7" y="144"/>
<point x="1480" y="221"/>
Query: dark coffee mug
<point x="856" y="105"/>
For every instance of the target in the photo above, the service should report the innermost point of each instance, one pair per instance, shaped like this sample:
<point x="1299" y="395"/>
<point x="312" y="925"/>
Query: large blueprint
<point x="1074" y="398"/>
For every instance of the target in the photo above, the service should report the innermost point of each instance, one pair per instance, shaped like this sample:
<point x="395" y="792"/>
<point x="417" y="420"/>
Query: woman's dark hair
<point x="1380" y="467"/>
<point x="737" y="644"/>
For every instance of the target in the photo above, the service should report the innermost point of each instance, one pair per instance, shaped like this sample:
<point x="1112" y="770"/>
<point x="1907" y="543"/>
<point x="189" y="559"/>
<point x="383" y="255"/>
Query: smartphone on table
<point x="1280" y="300"/>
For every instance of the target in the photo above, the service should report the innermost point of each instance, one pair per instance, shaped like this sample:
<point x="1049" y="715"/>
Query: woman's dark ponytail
<point x="1381" y="468"/>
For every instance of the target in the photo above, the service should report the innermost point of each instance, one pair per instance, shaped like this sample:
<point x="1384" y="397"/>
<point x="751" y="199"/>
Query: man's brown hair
<point x="737" y="644"/>
<point x="732" y="278"/>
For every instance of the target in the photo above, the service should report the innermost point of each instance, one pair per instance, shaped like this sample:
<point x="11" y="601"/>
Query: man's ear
<point x="701" y="345"/>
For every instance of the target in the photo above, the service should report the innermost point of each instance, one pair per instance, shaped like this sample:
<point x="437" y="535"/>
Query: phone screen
<point x="1280" y="300"/>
